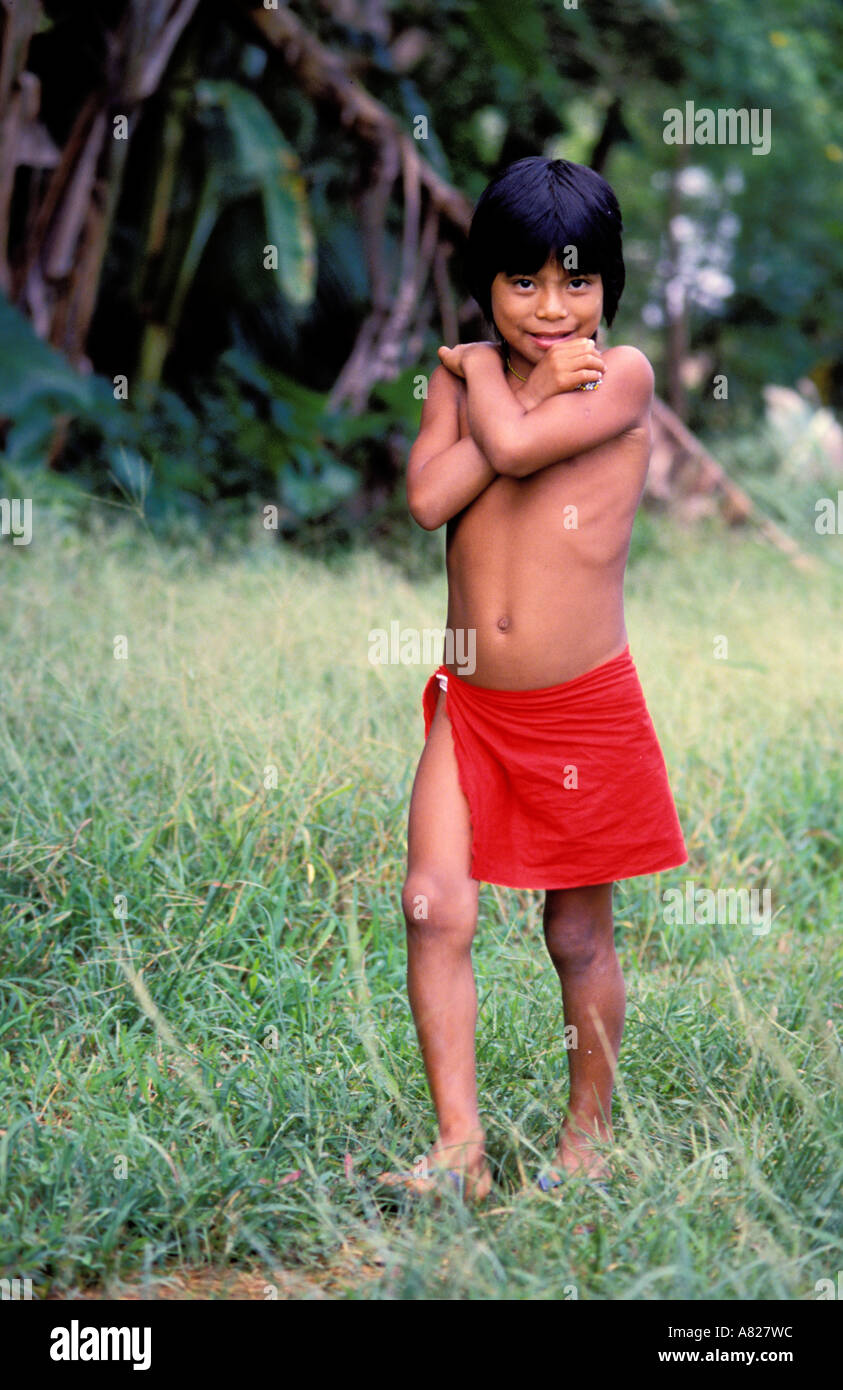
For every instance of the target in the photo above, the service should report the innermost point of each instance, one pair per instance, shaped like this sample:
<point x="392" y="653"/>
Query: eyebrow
<point x="534" y="274"/>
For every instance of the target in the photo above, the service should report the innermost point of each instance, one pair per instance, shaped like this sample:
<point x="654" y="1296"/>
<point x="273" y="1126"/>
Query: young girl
<point x="542" y="768"/>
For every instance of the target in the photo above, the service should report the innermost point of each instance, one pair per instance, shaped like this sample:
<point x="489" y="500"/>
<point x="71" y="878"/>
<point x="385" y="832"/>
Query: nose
<point x="552" y="305"/>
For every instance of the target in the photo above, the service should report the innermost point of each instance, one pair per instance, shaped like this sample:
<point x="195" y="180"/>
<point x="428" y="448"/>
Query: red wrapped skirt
<point x="566" y="785"/>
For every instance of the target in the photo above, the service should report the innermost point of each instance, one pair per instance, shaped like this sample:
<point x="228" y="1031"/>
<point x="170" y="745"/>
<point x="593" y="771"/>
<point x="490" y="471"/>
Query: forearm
<point x="493" y="411"/>
<point x="448" y="482"/>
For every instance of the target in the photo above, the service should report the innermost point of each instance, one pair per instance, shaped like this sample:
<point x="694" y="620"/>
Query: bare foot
<point x="575" y="1153"/>
<point x="465" y="1161"/>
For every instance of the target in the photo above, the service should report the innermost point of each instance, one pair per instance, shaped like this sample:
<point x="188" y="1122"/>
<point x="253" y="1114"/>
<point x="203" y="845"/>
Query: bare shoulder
<point x="632" y="368"/>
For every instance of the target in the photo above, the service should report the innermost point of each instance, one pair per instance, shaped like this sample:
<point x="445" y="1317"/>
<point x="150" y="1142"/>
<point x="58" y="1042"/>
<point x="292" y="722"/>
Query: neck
<point x="517" y="366"/>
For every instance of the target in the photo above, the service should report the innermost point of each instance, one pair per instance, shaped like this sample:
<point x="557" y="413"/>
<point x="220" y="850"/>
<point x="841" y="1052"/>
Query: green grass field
<point x="203" y="952"/>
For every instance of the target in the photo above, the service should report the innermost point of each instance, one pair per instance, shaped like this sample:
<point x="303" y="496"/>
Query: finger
<point x="576" y="347"/>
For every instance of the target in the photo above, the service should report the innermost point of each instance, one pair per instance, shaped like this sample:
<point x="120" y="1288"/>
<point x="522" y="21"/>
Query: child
<point x="541" y="768"/>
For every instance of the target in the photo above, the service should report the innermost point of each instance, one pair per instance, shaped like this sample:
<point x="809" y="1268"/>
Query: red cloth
<point x="517" y="749"/>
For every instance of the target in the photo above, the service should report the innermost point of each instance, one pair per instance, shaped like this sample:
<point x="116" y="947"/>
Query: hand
<point x="454" y="358"/>
<point x="565" y="366"/>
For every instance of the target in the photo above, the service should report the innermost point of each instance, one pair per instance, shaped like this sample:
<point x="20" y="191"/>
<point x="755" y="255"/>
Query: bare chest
<point x="609" y="478"/>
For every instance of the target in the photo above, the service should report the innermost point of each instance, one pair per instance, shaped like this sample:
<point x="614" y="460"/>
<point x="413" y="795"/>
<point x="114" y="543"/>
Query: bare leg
<point x="579" y="933"/>
<point x="439" y="901"/>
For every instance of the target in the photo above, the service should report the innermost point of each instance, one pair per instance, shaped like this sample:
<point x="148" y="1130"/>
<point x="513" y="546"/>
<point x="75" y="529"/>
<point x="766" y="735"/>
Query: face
<point x="534" y="311"/>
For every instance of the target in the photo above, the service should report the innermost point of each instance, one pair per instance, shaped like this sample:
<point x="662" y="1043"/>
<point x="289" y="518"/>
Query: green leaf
<point x="30" y="368"/>
<point x="317" y="494"/>
<point x="262" y="160"/>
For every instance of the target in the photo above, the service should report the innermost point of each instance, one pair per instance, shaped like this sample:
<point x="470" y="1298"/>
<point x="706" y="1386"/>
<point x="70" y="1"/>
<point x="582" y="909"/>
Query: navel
<point x="503" y="623"/>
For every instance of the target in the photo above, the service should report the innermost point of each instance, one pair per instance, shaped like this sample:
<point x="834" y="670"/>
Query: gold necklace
<point x="585" y="386"/>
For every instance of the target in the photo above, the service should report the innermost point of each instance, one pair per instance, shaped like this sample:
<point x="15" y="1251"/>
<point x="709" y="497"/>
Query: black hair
<point x="536" y="208"/>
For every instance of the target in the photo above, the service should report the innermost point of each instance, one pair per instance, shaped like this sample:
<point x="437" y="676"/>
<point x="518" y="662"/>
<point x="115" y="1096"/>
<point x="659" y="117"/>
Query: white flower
<point x="714" y="284"/>
<point x="694" y="181"/>
<point x="683" y="228"/>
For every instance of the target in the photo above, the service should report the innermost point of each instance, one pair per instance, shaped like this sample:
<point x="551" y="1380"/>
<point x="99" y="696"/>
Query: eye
<point x="522" y="280"/>
<point x="578" y="280"/>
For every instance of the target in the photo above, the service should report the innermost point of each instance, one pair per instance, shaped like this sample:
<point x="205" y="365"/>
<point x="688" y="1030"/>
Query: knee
<point x="577" y="940"/>
<point x="439" y="906"/>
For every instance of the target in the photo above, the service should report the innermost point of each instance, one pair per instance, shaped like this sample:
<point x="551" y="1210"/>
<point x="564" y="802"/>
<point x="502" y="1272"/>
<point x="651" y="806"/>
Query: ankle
<point x="470" y="1137"/>
<point x="584" y="1132"/>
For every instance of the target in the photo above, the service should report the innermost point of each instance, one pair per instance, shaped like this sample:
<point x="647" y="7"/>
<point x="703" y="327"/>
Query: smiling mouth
<point x="552" y="337"/>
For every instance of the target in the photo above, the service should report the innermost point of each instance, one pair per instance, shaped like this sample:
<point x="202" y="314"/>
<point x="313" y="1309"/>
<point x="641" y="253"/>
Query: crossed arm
<point x="444" y="472"/>
<point x="512" y="436"/>
<point x="519" y="441"/>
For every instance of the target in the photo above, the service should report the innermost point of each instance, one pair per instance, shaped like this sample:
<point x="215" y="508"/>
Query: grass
<point x="203" y="955"/>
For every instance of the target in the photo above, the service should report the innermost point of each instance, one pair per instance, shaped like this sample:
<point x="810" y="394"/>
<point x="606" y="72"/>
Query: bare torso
<point x="536" y="565"/>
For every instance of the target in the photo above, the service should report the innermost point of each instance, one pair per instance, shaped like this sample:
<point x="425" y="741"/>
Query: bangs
<point x="527" y="255"/>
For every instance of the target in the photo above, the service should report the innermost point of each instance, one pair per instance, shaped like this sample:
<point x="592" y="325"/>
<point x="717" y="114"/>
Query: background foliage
<point x="229" y="361"/>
